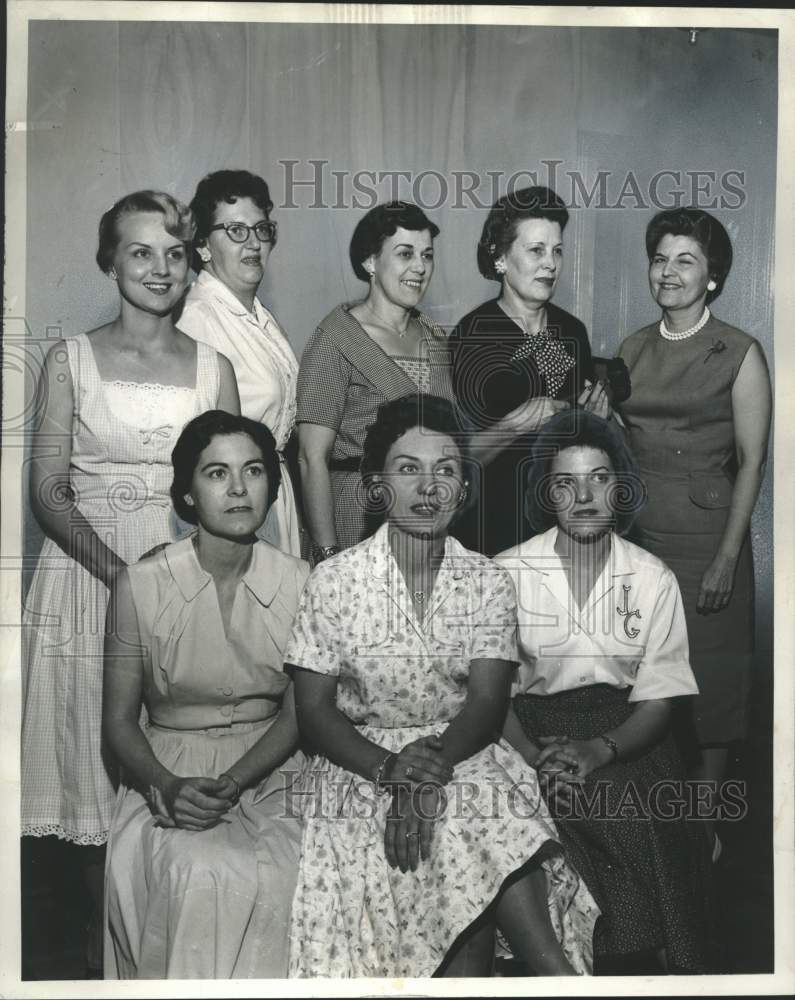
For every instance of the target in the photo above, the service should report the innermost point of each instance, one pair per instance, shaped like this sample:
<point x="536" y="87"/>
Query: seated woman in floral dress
<point x="423" y="829"/>
<point x="203" y="848"/>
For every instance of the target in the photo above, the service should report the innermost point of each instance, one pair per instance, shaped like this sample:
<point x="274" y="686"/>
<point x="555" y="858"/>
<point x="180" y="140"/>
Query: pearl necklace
<point x="684" y="334"/>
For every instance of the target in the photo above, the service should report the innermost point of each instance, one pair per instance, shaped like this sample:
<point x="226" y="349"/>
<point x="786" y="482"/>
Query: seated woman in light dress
<point x="603" y="648"/>
<point x="203" y="848"/>
<point x="403" y="651"/>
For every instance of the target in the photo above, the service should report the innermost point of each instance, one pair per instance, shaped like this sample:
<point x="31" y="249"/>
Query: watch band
<point x="610" y="744"/>
<point x="321" y="552"/>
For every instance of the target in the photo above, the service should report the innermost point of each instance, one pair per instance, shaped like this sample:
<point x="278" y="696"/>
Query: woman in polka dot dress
<point x="517" y="360"/>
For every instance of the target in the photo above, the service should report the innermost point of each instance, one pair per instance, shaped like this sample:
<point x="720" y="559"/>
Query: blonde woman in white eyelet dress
<point x="115" y="401"/>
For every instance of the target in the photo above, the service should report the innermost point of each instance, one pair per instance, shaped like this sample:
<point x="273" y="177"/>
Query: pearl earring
<point x="499" y="266"/>
<point x="711" y="286"/>
<point x="188" y="499"/>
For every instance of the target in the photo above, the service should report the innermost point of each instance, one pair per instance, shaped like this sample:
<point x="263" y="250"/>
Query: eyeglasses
<point x="238" y="232"/>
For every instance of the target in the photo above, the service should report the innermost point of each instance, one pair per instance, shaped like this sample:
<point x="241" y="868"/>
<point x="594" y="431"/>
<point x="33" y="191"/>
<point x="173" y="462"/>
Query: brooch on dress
<point x="717" y="347"/>
<point x="630" y="631"/>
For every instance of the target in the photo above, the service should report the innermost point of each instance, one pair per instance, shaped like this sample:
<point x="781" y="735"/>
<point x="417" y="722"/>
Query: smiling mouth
<point x="668" y="287"/>
<point x="157" y="287"/>
<point x="253" y="260"/>
<point x="416" y="285"/>
<point x="237" y="510"/>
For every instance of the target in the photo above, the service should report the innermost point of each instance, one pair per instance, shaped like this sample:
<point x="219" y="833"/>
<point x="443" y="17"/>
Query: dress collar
<point x="538" y="554"/>
<point x="382" y="562"/>
<point x="208" y="286"/>
<point x="262" y="578"/>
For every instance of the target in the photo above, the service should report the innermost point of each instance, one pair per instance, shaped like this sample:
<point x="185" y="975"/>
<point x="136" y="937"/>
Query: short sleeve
<point x="664" y="671"/>
<point x="494" y="628"/>
<point x="323" y="379"/>
<point x="315" y="640"/>
<point x="201" y="322"/>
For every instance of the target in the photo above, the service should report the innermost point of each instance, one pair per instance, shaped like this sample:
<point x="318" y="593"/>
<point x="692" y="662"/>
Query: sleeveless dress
<point x="213" y="904"/>
<point x="681" y="430"/>
<point x="266" y="370"/>
<point x="122" y="436"/>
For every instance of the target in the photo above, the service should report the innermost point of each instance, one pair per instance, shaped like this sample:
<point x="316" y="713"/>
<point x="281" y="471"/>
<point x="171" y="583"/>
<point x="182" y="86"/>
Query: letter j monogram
<point x="627" y="615"/>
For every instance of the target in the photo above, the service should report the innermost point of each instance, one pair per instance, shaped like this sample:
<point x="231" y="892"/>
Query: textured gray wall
<point x="120" y="106"/>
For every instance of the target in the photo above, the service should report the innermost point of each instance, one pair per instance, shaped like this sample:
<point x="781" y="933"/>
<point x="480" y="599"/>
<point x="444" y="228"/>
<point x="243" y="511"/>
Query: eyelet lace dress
<point x="120" y="473"/>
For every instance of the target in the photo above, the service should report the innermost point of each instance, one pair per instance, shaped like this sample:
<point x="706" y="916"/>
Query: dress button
<point x="678" y="451"/>
<point x="227" y="710"/>
<point x="227" y="692"/>
<point x="583" y="680"/>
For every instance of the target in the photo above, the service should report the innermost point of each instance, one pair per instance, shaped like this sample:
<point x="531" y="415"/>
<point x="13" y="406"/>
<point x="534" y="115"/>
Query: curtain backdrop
<point x="114" y="107"/>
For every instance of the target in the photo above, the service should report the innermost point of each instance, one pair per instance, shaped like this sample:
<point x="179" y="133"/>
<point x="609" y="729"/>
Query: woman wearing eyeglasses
<point x="234" y="239"/>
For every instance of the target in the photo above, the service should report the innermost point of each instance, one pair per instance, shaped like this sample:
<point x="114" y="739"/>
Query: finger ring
<point x="409" y="835"/>
<point x="409" y="771"/>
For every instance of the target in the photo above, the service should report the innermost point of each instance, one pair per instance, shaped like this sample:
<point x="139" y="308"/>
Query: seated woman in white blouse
<point x="603" y="649"/>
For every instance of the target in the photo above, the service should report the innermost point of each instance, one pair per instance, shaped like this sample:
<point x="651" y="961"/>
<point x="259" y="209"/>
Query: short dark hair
<point x="198" y="433"/>
<point x="380" y="223"/>
<point x="225" y="186"/>
<point x="395" y="417"/>
<point x="178" y="221"/>
<point x="499" y="229"/>
<point x="578" y="428"/>
<point x="705" y="229"/>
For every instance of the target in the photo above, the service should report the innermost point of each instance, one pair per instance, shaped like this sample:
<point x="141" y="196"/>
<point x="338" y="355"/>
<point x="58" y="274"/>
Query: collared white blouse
<point x="630" y="632"/>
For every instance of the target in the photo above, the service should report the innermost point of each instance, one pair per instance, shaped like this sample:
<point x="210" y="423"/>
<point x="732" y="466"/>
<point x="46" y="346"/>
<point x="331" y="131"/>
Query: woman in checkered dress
<point x="361" y="355"/>
<point x="115" y="401"/>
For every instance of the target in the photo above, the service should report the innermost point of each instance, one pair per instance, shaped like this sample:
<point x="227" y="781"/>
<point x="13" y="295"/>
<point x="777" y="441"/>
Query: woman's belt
<point x="345" y="464"/>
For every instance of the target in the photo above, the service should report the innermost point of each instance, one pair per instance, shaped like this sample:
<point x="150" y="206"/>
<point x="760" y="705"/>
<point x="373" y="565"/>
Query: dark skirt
<point x="646" y="865"/>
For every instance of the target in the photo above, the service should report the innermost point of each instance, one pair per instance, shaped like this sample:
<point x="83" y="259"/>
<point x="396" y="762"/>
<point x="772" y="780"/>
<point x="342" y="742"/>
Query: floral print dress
<point x="400" y="678"/>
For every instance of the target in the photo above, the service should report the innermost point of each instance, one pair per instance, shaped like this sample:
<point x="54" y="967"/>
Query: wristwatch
<point x="610" y="744"/>
<point x="321" y="552"/>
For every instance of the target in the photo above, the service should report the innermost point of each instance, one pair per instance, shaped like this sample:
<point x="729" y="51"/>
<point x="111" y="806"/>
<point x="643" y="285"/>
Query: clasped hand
<point x="594" y="398"/>
<point x="418" y="771"/>
<point x="419" y="761"/>
<point x="563" y="764"/>
<point x="193" y="803"/>
<point x="410" y="823"/>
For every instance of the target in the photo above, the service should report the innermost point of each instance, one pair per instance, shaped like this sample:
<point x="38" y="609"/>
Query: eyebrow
<point x="597" y="468"/>
<point x="445" y="458"/>
<point x="225" y="465"/>
<point x="140" y="243"/>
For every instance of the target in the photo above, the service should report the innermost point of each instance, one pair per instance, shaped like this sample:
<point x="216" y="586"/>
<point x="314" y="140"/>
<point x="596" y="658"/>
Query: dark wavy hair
<point x="705" y="229"/>
<point x="225" y="186"/>
<point x="178" y="221"/>
<point x="195" y="437"/>
<point x="394" y="419"/>
<point x="379" y="224"/>
<point x="578" y="428"/>
<point x="499" y="229"/>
